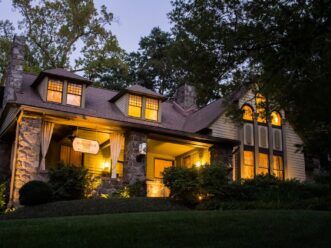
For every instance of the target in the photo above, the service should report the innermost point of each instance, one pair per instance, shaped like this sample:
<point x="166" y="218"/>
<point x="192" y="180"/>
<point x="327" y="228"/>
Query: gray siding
<point x="295" y="163"/>
<point x="224" y="127"/>
<point x="122" y="104"/>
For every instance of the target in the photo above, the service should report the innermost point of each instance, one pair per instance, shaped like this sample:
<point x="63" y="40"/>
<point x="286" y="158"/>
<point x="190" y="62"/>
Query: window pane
<point x="276" y="119"/>
<point x="55" y="85"/>
<point x="73" y="99"/>
<point x="277" y="139"/>
<point x="248" y="113"/>
<point x="135" y="103"/>
<point x="248" y="169"/>
<point x="159" y="166"/>
<point x="263" y="163"/>
<point x="278" y="170"/>
<point x="260" y="108"/>
<point x="152" y="103"/>
<point x="54" y="96"/>
<point x="135" y="100"/>
<point x="248" y="134"/>
<point x="54" y="92"/>
<point x="134" y="111"/>
<point x="75" y="89"/>
<point x="151" y="114"/>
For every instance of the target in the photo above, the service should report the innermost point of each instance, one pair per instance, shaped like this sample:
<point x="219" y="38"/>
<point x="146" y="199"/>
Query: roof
<point x="137" y="89"/>
<point x="62" y="74"/>
<point x="97" y="105"/>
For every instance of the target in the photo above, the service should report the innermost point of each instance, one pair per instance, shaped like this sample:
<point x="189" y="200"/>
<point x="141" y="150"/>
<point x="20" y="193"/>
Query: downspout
<point x="13" y="171"/>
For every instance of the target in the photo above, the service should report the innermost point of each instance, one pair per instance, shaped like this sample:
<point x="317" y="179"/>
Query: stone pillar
<point x="134" y="165"/>
<point x="27" y="153"/>
<point x="221" y="154"/>
<point x="14" y="72"/>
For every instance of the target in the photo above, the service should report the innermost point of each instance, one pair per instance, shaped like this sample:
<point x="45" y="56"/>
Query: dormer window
<point x="152" y="109"/>
<point x="74" y="94"/>
<point x="135" y="106"/>
<point x="54" y="91"/>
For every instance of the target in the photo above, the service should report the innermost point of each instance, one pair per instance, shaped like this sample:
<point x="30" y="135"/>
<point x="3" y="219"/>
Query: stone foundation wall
<point x="134" y="169"/>
<point x="27" y="153"/>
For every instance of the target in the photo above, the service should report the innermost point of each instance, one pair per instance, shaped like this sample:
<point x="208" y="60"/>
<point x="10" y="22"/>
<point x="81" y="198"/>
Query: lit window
<point x="160" y="165"/>
<point x="248" y="171"/>
<point x="74" y="94"/>
<point x="276" y="119"/>
<point x="152" y="107"/>
<point x="260" y="108"/>
<point x="278" y="168"/>
<point x="248" y="113"/>
<point x="135" y="104"/>
<point x="263" y="163"/>
<point x="54" y="91"/>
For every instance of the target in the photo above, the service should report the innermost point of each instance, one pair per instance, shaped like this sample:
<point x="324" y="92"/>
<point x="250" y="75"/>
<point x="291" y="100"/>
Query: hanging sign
<point x="85" y="145"/>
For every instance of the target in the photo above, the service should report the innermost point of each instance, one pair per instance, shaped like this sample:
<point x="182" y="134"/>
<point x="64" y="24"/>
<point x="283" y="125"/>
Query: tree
<point x="283" y="47"/>
<point x="54" y="28"/>
<point x="153" y="65"/>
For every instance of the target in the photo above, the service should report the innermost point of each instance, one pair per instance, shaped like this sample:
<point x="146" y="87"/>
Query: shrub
<point x="212" y="178"/>
<point x="35" y="193"/>
<point x="137" y="189"/>
<point x="2" y="196"/>
<point x="183" y="183"/>
<point x="69" y="182"/>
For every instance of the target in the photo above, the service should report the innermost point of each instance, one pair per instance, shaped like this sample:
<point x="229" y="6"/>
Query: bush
<point x="183" y="183"/>
<point x="35" y="193"/>
<point x="69" y="182"/>
<point x="2" y="196"/>
<point x="212" y="178"/>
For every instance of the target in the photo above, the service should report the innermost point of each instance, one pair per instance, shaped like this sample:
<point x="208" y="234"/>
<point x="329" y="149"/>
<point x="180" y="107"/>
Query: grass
<point x="94" y="207"/>
<point x="272" y="228"/>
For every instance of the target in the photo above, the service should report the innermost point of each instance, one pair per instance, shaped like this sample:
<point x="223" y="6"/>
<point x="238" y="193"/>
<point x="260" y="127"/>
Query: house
<point x="131" y="135"/>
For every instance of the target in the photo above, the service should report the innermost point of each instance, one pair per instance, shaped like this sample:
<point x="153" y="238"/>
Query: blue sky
<point x="134" y="18"/>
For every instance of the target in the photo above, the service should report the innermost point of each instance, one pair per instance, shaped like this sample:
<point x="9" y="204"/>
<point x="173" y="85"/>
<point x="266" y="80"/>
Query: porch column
<point x="134" y="162"/>
<point x="221" y="155"/>
<point x="27" y="155"/>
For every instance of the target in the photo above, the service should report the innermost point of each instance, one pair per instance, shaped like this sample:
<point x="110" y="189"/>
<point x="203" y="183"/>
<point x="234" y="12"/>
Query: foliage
<point x="137" y="189"/>
<point x="35" y="193"/>
<point x="2" y="196"/>
<point x="279" y="48"/>
<point x="69" y="182"/>
<point x="183" y="183"/>
<point x="212" y="178"/>
<point x="54" y="29"/>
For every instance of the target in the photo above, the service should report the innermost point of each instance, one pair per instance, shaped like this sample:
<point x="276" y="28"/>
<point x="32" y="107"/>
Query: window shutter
<point x="248" y="134"/>
<point x="263" y="136"/>
<point x="277" y="135"/>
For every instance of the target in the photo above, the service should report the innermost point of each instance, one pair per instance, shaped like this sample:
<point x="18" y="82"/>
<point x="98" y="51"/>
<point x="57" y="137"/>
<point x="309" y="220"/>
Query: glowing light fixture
<point x="106" y="165"/>
<point x="198" y="164"/>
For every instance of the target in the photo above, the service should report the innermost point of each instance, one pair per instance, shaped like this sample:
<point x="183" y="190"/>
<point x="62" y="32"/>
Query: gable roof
<point x="137" y="89"/>
<point x="97" y="105"/>
<point x="60" y="73"/>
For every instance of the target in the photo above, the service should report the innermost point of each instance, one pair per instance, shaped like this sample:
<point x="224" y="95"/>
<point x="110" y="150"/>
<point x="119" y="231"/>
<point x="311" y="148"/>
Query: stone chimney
<point x="186" y="97"/>
<point x="13" y="76"/>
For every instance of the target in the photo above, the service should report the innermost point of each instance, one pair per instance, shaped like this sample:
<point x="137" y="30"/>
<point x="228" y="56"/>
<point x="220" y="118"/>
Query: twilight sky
<point x="134" y="18"/>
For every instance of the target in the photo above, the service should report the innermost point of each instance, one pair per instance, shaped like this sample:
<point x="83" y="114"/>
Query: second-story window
<point x="152" y="108"/>
<point x="54" y="91"/>
<point x="74" y="94"/>
<point x="135" y="106"/>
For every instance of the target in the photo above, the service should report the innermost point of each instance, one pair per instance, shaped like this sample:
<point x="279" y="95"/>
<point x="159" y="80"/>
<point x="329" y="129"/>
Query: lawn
<point x="273" y="228"/>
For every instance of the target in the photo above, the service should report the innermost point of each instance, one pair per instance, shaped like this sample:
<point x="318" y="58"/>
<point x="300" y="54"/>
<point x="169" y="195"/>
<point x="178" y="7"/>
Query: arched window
<point x="276" y="119"/>
<point x="260" y="101"/>
<point x="248" y="113"/>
